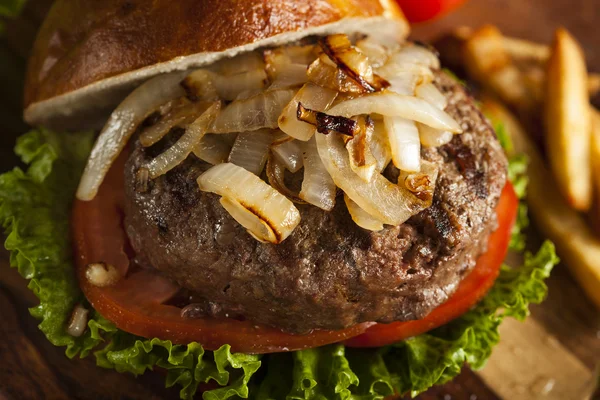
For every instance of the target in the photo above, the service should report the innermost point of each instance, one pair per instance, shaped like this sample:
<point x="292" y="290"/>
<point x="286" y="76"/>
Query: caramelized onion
<point x="415" y="54"/>
<point x="245" y="194"/>
<point x="289" y="154"/>
<point x="204" y="84"/>
<point x="257" y="112"/>
<point x="250" y="150"/>
<point x="286" y="66"/>
<point x="323" y="72"/>
<point x="431" y="94"/>
<point x="375" y="52"/>
<point x="362" y="161"/>
<point x="388" y="202"/>
<point x="178" y="152"/>
<point x="431" y="137"/>
<point x="244" y="62"/>
<point x="421" y="184"/>
<point x="361" y="217"/>
<point x="312" y="96"/>
<point x="404" y="143"/>
<point x="122" y="124"/>
<point x="318" y="188"/>
<point x="179" y="112"/>
<point x="396" y="105"/>
<point x="78" y="321"/>
<point x="215" y="148"/>
<point x="380" y="146"/>
<point x="326" y="123"/>
<point x="276" y="176"/>
<point x="352" y="62"/>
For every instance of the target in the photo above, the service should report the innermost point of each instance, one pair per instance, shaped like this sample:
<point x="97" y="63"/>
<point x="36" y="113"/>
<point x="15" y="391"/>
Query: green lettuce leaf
<point x="10" y="9"/>
<point x="34" y="211"/>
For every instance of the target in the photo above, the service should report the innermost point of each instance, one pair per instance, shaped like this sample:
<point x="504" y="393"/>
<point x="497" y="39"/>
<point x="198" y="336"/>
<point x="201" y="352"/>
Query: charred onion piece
<point x="263" y="211"/>
<point x="276" y="175"/>
<point x="362" y="161"/>
<point x="352" y="62"/>
<point x="122" y="123"/>
<point x="361" y="217"/>
<point x="177" y="153"/>
<point x="421" y="184"/>
<point x="327" y="123"/>
<point x="78" y="321"/>
<point x="102" y="274"/>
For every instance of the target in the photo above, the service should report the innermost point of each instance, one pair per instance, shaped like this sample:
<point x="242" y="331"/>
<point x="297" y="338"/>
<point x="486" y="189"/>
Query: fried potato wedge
<point x="595" y="156"/>
<point x="567" y="120"/>
<point x="487" y="61"/>
<point x="575" y="242"/>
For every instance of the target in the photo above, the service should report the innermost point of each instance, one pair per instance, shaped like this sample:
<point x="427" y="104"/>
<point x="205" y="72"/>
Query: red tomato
<point x="423" y="10"/>
<point x="135" y="303"/>
<point x="469" y="292"/>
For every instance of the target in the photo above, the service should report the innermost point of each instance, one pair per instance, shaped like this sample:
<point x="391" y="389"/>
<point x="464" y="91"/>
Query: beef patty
<point x="329" y="273"/>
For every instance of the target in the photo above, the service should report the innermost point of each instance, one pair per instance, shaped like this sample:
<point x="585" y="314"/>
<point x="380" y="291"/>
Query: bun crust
<point x="97" y="50"/>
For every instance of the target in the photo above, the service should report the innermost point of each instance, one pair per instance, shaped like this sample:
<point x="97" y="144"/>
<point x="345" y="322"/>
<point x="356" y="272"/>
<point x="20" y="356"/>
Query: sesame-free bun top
<point x="89" y="54"/>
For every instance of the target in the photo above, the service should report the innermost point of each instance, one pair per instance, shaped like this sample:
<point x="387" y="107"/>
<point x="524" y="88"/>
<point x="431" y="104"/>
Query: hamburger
<point x="265" y="200"/>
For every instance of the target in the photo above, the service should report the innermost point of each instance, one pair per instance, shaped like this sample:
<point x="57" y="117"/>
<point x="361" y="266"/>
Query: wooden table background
<point x="547" y="357"/>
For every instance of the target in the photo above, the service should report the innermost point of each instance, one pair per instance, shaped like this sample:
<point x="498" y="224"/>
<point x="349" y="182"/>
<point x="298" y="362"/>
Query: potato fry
<point x="575" y="242"/>
<point x="595" y="156"/>
<point x="567" y="121"/>
<point x="486" y="60"/>
<point x="520" y="49"/>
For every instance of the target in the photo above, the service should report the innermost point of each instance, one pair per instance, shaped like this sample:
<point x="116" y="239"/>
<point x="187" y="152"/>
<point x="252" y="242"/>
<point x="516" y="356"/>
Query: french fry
<point x="595" y="156"/>
<point x="575" y="242"/>
<point x="486" y="60"/>
<point x="520" y="51"/>
<point x="567" y="121"/>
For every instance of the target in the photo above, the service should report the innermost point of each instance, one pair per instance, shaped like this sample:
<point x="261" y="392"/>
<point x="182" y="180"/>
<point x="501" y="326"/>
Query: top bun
<point x="89" y="54"/>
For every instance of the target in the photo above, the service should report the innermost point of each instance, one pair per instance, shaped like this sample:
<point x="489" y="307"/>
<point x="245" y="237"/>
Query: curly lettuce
<point x="34" y="211"/>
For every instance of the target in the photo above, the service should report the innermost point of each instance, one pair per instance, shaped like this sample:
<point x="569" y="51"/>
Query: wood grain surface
<point x="548" y="357"/>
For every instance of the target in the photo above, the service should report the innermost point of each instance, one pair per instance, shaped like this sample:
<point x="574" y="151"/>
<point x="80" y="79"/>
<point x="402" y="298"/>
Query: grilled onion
<point x="323" y="72"/>
<point x="362" y="161"/>
<point x="289" y="154"/>
<point x="250" y="150"/>
<point x="177" y="153"/>
<point x="404" y="143"/>
<point x="386" y="201"/>
<point x="431" y="94"/>
<point x="421" y="184"/>
<point x="276" y="214"/>
<point x="352" y="62"/>
<point x="396" y="105"/>
<point x="375" y="52"/>
<point x="318" y="188"/>
<point x="311" y="96"/>
<point x="326" y="123"/>
<point x="244" y="62"/>
<point x="415" y="54"/>
<point x="178" y="112"/>
<point x="276" y="176"/>
<point x="257" y="112"/>
<point x="380" y="146"/>
<point x="215" y="148"/>
<point x="204" y="84"/>
<point x="122" y="124"/>
<point x="361" y="217"/>
<point x="431" y="137"/>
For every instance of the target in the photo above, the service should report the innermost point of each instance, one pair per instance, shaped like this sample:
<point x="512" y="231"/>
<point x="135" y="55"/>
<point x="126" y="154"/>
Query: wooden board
<point x="551" y="356"/>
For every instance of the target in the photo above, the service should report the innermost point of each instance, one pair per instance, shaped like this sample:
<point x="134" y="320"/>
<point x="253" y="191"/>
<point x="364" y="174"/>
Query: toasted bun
<point x="89" y="53"/>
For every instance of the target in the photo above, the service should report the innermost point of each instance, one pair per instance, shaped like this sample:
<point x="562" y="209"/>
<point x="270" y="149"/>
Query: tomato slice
<point x="135" y="303"/>
<point x="469" y="292"/>
<point x="424" y="10"/>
